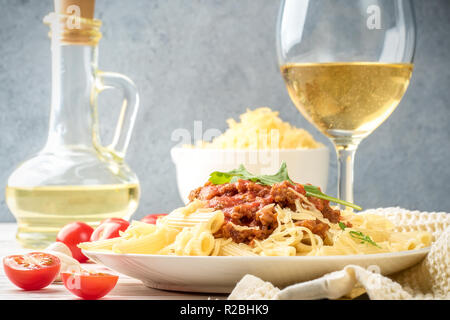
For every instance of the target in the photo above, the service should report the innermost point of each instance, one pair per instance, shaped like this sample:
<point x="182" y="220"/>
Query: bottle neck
<point x="73" y="96"/>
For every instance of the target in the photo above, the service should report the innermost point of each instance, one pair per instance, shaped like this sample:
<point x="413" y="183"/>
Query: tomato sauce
<point x="246" y="203"/>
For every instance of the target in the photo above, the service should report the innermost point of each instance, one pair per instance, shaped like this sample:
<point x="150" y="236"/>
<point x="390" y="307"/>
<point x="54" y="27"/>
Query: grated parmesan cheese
<point x="261" y="129"/>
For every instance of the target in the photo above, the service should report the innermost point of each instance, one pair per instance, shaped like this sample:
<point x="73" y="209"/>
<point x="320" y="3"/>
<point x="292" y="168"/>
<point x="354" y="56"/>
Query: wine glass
<point x="346" y="65"/>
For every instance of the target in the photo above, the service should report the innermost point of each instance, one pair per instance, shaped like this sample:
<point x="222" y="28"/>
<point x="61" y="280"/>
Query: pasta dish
<point x="239" y="214"/>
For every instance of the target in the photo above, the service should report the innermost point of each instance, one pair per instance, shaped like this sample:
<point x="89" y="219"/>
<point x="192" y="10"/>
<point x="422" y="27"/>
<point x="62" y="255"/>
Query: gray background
<point x="209" y="60"/>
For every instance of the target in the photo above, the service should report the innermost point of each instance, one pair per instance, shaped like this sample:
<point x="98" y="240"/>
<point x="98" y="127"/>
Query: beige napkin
<point x="427" y="280"/>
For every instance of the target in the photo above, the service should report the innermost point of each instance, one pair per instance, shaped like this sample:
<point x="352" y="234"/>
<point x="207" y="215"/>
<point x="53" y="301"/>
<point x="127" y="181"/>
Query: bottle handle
<point x="128" y="112"/>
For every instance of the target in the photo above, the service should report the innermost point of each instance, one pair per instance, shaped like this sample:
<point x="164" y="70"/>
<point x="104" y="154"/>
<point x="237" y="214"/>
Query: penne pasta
<point x="106" y="244"/>
<point x="191" y="231"/>
<point x="212" y="220"/>
<point x="149" y="244"/>
<point x="235" y="249"/>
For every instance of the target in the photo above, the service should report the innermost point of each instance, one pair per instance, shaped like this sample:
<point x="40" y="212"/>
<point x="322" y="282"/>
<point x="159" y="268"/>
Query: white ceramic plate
<point x="220" y="274"/>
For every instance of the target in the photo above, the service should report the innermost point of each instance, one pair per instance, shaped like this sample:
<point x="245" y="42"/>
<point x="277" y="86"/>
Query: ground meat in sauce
<point x="316" y="226"/>
<point x="246" y="203"/>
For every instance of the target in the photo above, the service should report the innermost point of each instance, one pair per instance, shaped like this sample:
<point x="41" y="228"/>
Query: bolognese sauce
<point x="252" y="205"/>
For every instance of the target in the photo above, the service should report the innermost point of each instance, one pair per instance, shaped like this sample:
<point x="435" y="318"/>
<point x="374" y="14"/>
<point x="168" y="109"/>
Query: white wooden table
<point x="126" y="289"/>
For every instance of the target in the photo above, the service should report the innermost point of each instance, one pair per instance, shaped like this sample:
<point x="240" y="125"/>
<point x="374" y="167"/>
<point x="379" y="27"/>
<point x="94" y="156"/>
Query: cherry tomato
<point x="74" y="233"/>
<point x="89" y="285"/>
<point x="109" y="228"/>
<point x="151" y="218"/>
<point x="32" y="271"/>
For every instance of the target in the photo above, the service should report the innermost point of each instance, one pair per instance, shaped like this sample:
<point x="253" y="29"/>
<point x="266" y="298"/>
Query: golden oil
<point x="42" y="211"/>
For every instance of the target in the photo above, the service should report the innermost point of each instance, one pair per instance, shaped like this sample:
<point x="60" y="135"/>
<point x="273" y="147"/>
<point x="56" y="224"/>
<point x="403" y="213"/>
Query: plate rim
<point x="338" y="257"/>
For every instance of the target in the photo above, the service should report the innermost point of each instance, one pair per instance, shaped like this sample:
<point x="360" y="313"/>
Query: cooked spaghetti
<point x="246" y="218"/>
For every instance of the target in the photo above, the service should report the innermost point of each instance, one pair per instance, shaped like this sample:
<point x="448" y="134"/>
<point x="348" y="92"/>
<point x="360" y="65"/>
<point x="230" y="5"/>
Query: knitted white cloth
<point x="426" y="280"/>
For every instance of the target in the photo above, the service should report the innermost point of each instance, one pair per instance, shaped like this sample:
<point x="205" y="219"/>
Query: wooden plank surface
<point x="126" y="289"/>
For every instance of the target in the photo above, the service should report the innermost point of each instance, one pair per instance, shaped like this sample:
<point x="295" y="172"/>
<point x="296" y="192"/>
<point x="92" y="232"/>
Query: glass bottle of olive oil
<point x="75" y="177"/>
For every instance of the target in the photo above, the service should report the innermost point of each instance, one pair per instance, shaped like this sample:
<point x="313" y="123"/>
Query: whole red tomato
<point x="74" y="233"/>
<point x="89" y="285"/>
<point x="151" y="218"/>
<point x="32" y="271"/>
<point x="109" y="228"/>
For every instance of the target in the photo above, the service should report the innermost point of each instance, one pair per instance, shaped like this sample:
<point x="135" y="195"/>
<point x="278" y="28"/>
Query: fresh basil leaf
<point x="282" y="175"/>
<point x="220" y="177"/>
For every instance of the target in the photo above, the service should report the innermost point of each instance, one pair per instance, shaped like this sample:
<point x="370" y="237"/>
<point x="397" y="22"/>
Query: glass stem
<point x="346" y="156"/>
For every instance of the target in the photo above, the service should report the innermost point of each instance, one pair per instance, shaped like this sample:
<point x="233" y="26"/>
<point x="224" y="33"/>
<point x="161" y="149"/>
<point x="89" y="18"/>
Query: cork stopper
<point x="83" y="8"/>
<point x="73" y="23"/>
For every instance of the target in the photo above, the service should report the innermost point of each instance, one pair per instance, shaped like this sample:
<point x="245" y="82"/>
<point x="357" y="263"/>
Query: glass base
<point x="35" y="240"/>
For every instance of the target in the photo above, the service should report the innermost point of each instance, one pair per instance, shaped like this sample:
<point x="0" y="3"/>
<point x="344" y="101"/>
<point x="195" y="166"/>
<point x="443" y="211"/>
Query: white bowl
<point x="194" y="165"/>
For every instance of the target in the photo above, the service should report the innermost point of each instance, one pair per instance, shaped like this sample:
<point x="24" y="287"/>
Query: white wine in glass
<point x="348" y="80"/>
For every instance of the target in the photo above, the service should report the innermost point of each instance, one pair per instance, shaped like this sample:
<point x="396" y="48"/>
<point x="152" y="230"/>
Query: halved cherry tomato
<point x="89" y="285"/>
<point x="74" y="233"/>
<point x="151" y="218"/>
<point x="109" y="228"/>
<point x="32" y="271"/>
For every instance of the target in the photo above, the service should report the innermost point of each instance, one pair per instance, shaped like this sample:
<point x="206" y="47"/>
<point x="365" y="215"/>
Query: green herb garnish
<point x="282" y="175"/>
<point x="313" y="191"/>
<point x="359" y="235"/>
<point x="364" y="239"/>
<point x="342" y="226"/>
